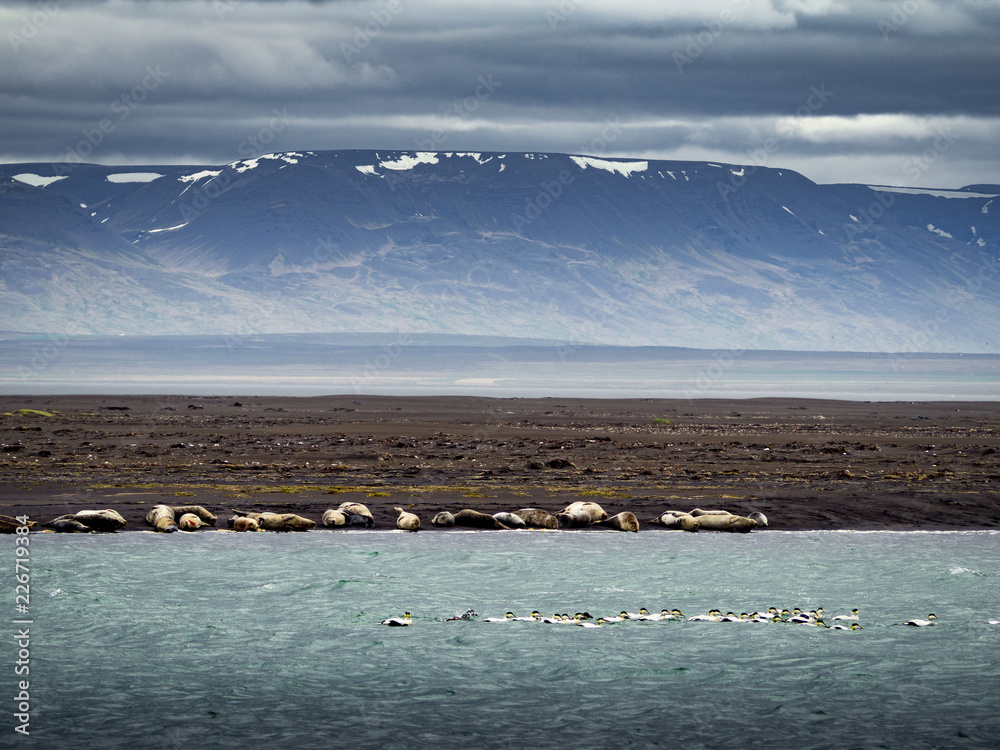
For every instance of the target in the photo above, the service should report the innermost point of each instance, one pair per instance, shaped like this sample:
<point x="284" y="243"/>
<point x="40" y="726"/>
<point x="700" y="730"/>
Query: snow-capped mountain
<point x="551" y="246"/>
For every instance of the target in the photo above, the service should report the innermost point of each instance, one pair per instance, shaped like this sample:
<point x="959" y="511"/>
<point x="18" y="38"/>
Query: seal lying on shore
<point x="592" y="509"/>
<point x="190" y="522"/>
<point x="624" y="521"/>
<point x="333" y="518"/>
<point x="95" y="520"/>
<point x="477" y="520"/>
<point x="723" y="521"/>
<point x="204" y="515"/>
<point x="64" y="525"/>
<point x="162" y="518"/>
<point x="358" y="515"/>
<point x="537" y="518"/>
<point x="444" y="518"/>
<point x="577" y="518"/>
<point x="677" y="519"/>
<point x="243" y="523"/>
<point x="275" y="521"/>
<point x="510" y="520"/>
<point x="407" y="521"/>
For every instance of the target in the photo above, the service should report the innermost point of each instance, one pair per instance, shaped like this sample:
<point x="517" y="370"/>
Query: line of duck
<point x="812" y="618"/>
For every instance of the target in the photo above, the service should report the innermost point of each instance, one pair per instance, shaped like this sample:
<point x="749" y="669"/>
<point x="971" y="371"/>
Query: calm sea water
<point x="267" y="640"/>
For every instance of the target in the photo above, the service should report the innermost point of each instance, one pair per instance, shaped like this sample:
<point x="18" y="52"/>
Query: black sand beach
<point x="806" y="464"/>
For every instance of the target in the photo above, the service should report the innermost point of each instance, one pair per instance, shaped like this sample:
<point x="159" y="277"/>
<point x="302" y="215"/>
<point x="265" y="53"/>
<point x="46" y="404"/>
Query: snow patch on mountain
<point x="199" y="175"/>
<point x="133" y="177"/>
<point x="624" y="168"/>
<point x="36" y="180"/>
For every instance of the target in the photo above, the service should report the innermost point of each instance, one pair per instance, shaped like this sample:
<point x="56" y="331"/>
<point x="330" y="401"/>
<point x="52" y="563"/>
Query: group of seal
<point x="710" y="520"/>
<point x="577" y="515"/>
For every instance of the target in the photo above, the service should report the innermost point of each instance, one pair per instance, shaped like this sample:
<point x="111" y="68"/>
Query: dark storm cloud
<point x="839" y="90"/>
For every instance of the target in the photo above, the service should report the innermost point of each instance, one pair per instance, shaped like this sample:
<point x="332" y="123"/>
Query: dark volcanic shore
<point x="806" y="464"/>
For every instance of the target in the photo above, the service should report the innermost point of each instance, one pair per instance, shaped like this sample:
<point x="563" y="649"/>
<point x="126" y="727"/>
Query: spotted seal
<point x="537" y="518"/>
<point x="444" y="518"/>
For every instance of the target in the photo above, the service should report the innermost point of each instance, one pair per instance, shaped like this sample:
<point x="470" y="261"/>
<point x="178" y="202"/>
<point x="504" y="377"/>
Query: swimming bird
<point x="714" y="615"/>
<point x="535" y="616"/>
<point x="852" y="616"/>
<point x="469" y="615"/>
<point x="398" y="621"/>
<point x="918" y="623"/>
<point x="620" y="618"/>
<point x="852" y="626"/>
<point x="643" y="612"/>
<point x="509" y="617"/>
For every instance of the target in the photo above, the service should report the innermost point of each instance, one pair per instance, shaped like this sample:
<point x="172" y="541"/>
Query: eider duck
<point x="918" y="623"/>
<point x="398" y="621"/>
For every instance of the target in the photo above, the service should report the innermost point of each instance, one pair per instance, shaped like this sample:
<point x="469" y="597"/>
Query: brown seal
<point x="577" y="518"/>
<point x="162" y="518"/>
<point x="244" y="523"/>
<point x="69" y="525"/>
<point x="725" y="522"/>
<point x="595" y="511"/>
<point x="477" y="520"/>
<point x="537" y="518"/>
<point x="407" y="521"/>
<point x="207" y="517"/>
<point x="284" y="522"/>
<point x="99" y="520"/>
<point x="624" y="521"/>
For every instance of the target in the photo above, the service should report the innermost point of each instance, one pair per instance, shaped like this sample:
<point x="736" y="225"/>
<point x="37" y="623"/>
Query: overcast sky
<point x="895" y="92"/>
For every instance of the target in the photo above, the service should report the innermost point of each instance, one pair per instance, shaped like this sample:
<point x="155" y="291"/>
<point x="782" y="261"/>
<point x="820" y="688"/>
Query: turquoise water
<point x="268" y="640"/>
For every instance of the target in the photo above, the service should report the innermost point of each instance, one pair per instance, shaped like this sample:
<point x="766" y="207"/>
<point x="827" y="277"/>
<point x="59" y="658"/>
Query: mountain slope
<point x="531" y="245"/>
